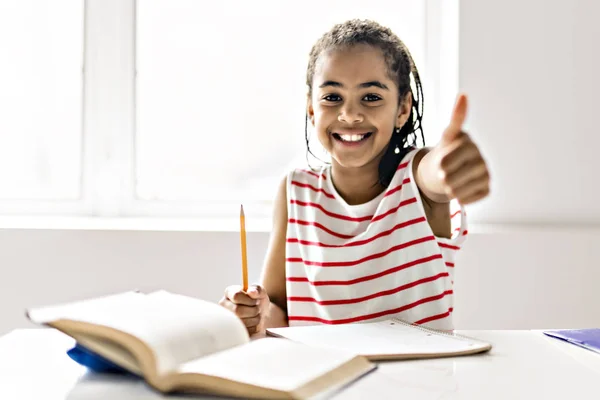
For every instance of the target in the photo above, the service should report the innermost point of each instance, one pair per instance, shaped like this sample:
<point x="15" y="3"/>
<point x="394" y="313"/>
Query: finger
<point x="224" y="302"/>
<point x="246" y="311"/>
<point x="236" y="295"/>
<point x="475" y="197"/>
<point x="257" y="292"/>
<point x="251" y="322"/>
<point x="463" y="152"/>
<point x="469" y="189"/>
<point x="459" y="113"/>
<point x="252" y="330"/>
<point x="470" y="171"/>
<point x="457" y="119"/>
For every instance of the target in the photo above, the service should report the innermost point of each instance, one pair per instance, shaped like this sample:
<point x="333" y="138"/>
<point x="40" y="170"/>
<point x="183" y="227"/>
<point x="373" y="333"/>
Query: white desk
<point x="522" y="365"/>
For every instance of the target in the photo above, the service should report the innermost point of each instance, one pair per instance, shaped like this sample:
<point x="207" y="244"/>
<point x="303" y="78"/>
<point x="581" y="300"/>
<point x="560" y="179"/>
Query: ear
<point x="310" y="111"/>
<point x="404" y="110"/>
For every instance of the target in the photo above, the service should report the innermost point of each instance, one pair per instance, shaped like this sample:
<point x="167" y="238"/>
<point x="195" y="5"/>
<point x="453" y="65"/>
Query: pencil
<point x="243" y="241"/>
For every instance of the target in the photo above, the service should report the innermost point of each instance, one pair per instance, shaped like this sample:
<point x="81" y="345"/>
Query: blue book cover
<point x="586" y="338"/>
<point x="94" y="362"/>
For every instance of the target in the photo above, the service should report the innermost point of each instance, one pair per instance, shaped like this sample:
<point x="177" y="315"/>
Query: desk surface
<point x="522" y="365"/>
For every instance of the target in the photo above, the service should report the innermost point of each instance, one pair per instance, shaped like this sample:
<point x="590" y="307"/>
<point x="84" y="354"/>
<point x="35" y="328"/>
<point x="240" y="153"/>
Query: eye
<point x="332" y="97"/>
<point x="372" y="97"/>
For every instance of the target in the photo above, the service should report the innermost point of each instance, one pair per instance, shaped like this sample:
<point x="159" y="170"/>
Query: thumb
<point x="256" y="292"/>
<point x="459" y="114"/>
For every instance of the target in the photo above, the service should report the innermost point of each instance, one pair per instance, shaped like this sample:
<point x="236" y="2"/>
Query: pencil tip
<point x="241" y="209"/>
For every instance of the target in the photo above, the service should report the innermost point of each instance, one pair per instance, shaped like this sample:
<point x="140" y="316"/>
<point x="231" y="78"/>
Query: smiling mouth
<point x="354" y="138"/>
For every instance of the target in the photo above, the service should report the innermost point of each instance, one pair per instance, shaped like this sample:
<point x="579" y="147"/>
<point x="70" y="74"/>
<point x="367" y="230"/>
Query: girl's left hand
<point x="455" y="168"/>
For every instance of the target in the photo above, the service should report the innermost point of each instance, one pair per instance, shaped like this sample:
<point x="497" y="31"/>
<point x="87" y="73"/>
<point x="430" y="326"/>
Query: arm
<point x="273" y="275"/>
<point x="437" y="207"/>
<point x="453" y="169"/>
<point x="264" y="306"/>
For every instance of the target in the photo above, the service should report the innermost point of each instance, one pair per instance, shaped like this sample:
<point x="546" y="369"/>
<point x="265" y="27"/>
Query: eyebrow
<point x="362" y="85"/>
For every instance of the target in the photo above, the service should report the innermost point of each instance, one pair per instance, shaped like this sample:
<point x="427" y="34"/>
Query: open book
<point x="391" y="339"/>
<point x="182" y="344"/>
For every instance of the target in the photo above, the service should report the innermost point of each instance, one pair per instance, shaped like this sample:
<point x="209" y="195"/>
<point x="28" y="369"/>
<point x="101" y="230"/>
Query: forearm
<point x="427" y="177"/>
<point x="276" y="317"/>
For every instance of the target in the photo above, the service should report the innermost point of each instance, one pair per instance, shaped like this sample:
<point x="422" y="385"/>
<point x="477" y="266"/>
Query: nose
<point x="350" y="114"/>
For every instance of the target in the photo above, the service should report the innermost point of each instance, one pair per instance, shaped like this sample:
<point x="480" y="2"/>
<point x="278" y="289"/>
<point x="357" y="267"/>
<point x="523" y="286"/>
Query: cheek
<point x="323" y="117"/>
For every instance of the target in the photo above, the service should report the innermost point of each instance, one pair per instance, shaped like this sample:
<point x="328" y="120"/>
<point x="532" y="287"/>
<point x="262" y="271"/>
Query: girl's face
<point x="354" y="105"/>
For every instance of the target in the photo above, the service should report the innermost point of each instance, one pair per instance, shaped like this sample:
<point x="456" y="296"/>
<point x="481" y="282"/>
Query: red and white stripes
<point x="366" y="262"/>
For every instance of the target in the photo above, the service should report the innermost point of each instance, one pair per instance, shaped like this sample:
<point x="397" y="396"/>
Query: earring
<point x="397" y="149"/>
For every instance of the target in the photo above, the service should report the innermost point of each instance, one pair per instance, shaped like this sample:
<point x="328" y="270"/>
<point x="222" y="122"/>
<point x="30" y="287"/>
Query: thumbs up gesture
<point x="454" y="169"/>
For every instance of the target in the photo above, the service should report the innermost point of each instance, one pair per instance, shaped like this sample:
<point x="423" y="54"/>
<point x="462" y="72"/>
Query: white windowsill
<point x="134" y="223"/>
<point x="217" y="224"/>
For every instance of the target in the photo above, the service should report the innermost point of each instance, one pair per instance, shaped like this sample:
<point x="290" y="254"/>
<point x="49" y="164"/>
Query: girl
<point x="371" y="236"/>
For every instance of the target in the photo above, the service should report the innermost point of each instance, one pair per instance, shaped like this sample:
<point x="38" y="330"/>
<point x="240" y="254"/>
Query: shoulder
<point x="280" y="203"/>
<point x="413" y="155"/>
<point x="299" y="178"/>
<point x="308" y="175"/>
<point x="409" y="163"/>
<point x="282" y="188"/>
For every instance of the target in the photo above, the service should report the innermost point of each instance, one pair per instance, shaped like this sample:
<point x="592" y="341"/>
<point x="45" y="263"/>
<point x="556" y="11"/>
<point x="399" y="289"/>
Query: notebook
<point x="183" y="344"/>
<point x="391" y="339"/>
<point x="586" y="338"/>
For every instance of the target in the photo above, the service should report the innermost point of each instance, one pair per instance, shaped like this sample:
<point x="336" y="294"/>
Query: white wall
<point x="45" y="266"/>
<point x="530" y="69"/>
<point x="509" y="280"/>
<point x="529" y="278"/>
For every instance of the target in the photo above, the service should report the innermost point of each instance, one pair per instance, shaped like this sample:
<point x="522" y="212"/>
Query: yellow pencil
<point x="243" y="241"/>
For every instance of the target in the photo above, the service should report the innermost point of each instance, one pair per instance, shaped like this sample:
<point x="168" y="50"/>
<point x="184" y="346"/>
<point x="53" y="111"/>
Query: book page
<point x="277" y="364"/>
<point x="381" y="338"/>
<point x="177" y="328"/>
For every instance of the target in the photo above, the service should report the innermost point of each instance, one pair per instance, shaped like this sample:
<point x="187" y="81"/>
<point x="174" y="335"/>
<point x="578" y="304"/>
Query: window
<point x="40" y="99"/>
<point x="186" y="109"/>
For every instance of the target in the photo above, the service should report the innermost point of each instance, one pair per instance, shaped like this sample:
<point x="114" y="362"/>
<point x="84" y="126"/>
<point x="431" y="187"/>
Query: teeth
<point x="352" y="138"/>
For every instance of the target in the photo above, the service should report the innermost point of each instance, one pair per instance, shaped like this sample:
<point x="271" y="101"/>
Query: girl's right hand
<point x="250" y="306"/>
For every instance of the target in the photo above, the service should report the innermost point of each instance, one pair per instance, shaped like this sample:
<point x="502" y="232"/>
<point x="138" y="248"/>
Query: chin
<point x="352" y="162"/>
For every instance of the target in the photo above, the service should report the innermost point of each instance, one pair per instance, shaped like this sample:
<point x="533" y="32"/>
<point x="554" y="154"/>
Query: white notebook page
<point x="379" y="338"/>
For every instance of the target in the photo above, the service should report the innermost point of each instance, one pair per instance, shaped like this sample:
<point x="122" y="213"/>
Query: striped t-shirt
<point x="358" y="263"/>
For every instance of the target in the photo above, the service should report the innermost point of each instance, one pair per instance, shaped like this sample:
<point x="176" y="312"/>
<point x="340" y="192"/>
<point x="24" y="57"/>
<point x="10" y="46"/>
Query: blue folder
<point x="586" y="338"/>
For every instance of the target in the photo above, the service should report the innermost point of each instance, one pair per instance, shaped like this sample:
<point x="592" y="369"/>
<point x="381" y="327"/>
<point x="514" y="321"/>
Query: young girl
<point x="372" y="236"/>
